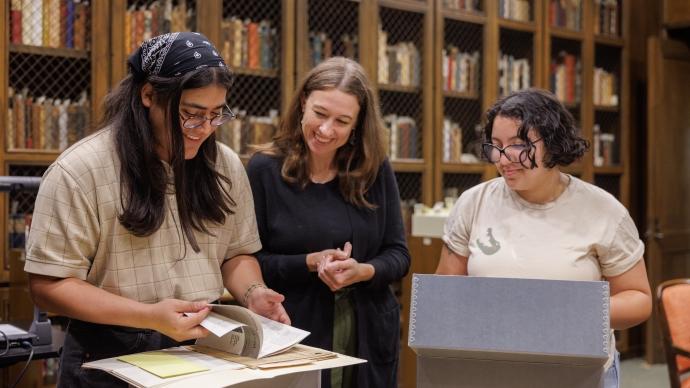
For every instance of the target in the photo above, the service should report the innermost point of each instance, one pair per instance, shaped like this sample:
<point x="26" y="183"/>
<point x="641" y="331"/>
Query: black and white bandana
<point x="174" y="54"/>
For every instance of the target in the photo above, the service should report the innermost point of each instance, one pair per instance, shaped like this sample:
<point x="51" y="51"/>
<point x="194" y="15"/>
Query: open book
<point x="238" y="330"/>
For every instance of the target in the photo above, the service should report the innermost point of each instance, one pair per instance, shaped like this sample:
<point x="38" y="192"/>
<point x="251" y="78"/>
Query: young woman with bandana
<point x="148" y="218"/>
<point x="536" y="221"/>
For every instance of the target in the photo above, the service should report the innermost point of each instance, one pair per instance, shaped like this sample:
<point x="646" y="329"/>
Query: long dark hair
<point x="202" y="193"/>
<point x="539" y="109"/>
<point x="359" y="160"/>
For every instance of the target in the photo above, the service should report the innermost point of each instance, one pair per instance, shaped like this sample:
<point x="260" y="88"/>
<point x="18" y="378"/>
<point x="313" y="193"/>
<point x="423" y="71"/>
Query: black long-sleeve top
<point x="294" y="222"/>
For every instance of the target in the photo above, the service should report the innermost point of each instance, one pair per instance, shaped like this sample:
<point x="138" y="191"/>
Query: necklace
<point x="328" y="177"/>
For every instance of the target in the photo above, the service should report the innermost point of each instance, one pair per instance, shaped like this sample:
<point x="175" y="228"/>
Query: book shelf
<point x="437" y="66"/>
<point x="54" y="75"/>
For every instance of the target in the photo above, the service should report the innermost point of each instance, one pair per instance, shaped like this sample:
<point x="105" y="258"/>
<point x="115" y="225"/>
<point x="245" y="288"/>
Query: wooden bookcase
<point x="50" y="57"/>
<point x="426" y="100"/>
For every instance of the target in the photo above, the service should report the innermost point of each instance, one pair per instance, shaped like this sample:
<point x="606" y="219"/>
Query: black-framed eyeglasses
<point x="192" y="121"/>
<point x="515" y="153"/>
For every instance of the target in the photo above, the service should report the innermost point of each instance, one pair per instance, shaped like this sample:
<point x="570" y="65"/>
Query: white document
<point x="238" y="330"/>
<point x="141" y="378"/>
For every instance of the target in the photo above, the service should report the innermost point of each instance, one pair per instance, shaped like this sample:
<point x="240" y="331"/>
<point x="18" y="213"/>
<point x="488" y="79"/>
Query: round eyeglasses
<point x="192" y="121"/>
<point x="515" y="153"/>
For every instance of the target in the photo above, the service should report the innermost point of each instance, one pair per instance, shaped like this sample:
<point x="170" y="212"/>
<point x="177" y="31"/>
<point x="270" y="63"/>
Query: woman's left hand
<point x="268" y="303"/>
<point x="342" y="273"/>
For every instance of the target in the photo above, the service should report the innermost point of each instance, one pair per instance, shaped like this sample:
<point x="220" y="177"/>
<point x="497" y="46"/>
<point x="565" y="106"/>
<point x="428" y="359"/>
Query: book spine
<point x="16" y="19"/>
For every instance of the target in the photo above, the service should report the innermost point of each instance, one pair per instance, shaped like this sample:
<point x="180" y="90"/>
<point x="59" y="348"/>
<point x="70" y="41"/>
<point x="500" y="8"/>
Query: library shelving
<point x="436" y="65"/>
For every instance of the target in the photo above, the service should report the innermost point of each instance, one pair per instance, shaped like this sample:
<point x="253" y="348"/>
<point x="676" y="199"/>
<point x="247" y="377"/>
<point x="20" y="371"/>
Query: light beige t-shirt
<point x="75" y="231"/>
<point x="585" y="234"/>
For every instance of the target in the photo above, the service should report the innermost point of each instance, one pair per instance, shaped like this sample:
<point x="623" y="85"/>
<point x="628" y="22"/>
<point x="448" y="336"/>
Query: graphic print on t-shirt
<point x="493" y="247"/>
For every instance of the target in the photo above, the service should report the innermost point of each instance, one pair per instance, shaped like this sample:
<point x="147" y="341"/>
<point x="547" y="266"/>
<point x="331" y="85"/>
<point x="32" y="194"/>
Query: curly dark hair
<point x="539" y="109"/>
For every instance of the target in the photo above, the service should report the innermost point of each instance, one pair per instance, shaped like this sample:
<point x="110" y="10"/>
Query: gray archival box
<point x="504" y="332"/>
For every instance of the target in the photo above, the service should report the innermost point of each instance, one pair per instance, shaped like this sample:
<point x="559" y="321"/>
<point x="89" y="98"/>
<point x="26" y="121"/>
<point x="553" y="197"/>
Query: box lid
<point x="536" y="320"/>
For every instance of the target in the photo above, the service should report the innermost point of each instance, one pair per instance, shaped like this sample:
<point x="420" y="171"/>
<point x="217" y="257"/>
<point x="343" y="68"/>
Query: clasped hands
<point x="337" y="269"/>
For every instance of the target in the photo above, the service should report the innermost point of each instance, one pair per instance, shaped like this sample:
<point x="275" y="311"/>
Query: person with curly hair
<point x="536" y="221"/>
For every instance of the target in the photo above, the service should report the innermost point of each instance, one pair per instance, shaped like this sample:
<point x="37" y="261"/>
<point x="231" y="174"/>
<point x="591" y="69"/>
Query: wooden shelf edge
<point x="564" y="33"/>
<point x="461" y="95"/>
<point x="49" y="51"/>
<point x="405" y="5"/>
<point x="266" y="73"/>
<point x="31" y="157"/>
<point x="399" y="88"/>
<point x="408" y="165"/>
<point x="464" y="168"/>
<point x="609" y="40"/>
<point x="517" y="25"/>
<point x="464" y="16"/>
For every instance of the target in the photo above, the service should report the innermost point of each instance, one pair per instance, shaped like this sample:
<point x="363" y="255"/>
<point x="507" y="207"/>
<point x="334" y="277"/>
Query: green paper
<point x="162" y="364"/>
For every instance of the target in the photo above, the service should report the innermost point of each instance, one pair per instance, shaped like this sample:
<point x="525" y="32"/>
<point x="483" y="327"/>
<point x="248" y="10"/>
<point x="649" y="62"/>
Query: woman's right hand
<point x="169" y="317"/>
<point x="314" y="259"/>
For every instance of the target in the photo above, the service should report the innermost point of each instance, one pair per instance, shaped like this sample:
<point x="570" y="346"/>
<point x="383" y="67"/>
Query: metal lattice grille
<point x="607" y="70"/>
<point x="606" y="138"/>
<point x="515" y="62"/>
<point x="257" y="114"/>
<point x="565" y="71"/>
<point x="454" y="184"/>
<point x="399" y="71"/>
<point x="462" y="131"/>
<point x="610" y="183"/>
<point x="462" y="76"/>
<point x="145" y="19"/>
<point x="410" y="187"/>
<point x="333" y="29"/>
<point x="251" y="36"/>
<point x="49" y="74"/>
<point x="21" y="205"/>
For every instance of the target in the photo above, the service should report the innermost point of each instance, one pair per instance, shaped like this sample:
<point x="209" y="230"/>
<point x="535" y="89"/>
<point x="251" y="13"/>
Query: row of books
<point x="514" y="9"/>
<point x="452" y="141"/>
<point x="513" y="74"/>
<point x="44" y="123"/>
<point x="462" y="5"/>
<point x="455" y="148"/>
<point x="565" y="14"/>
<point x="402" y="137"/>
<point x="50" y="23"/>
<point x="249" y="44"/>
<point x="606" y="14"/>
<point x="605" y="88"/>
<point x="398" y="64"/>
<point x="566" y="77"/>
<point x="603" y="143"/>
<point x="321" y="45"/>
<point x="246" y="130"/>
<point x="157" y="17"/>
<point x="461" y="71"/>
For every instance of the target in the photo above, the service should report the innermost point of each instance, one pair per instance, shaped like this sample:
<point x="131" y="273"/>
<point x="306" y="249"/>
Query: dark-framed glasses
<point x="515" y="153"/>
<point x="192" y="121"/>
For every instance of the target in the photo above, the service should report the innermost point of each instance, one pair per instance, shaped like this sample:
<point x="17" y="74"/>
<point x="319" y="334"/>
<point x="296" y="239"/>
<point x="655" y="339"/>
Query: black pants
<point x="86" y="342"/>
